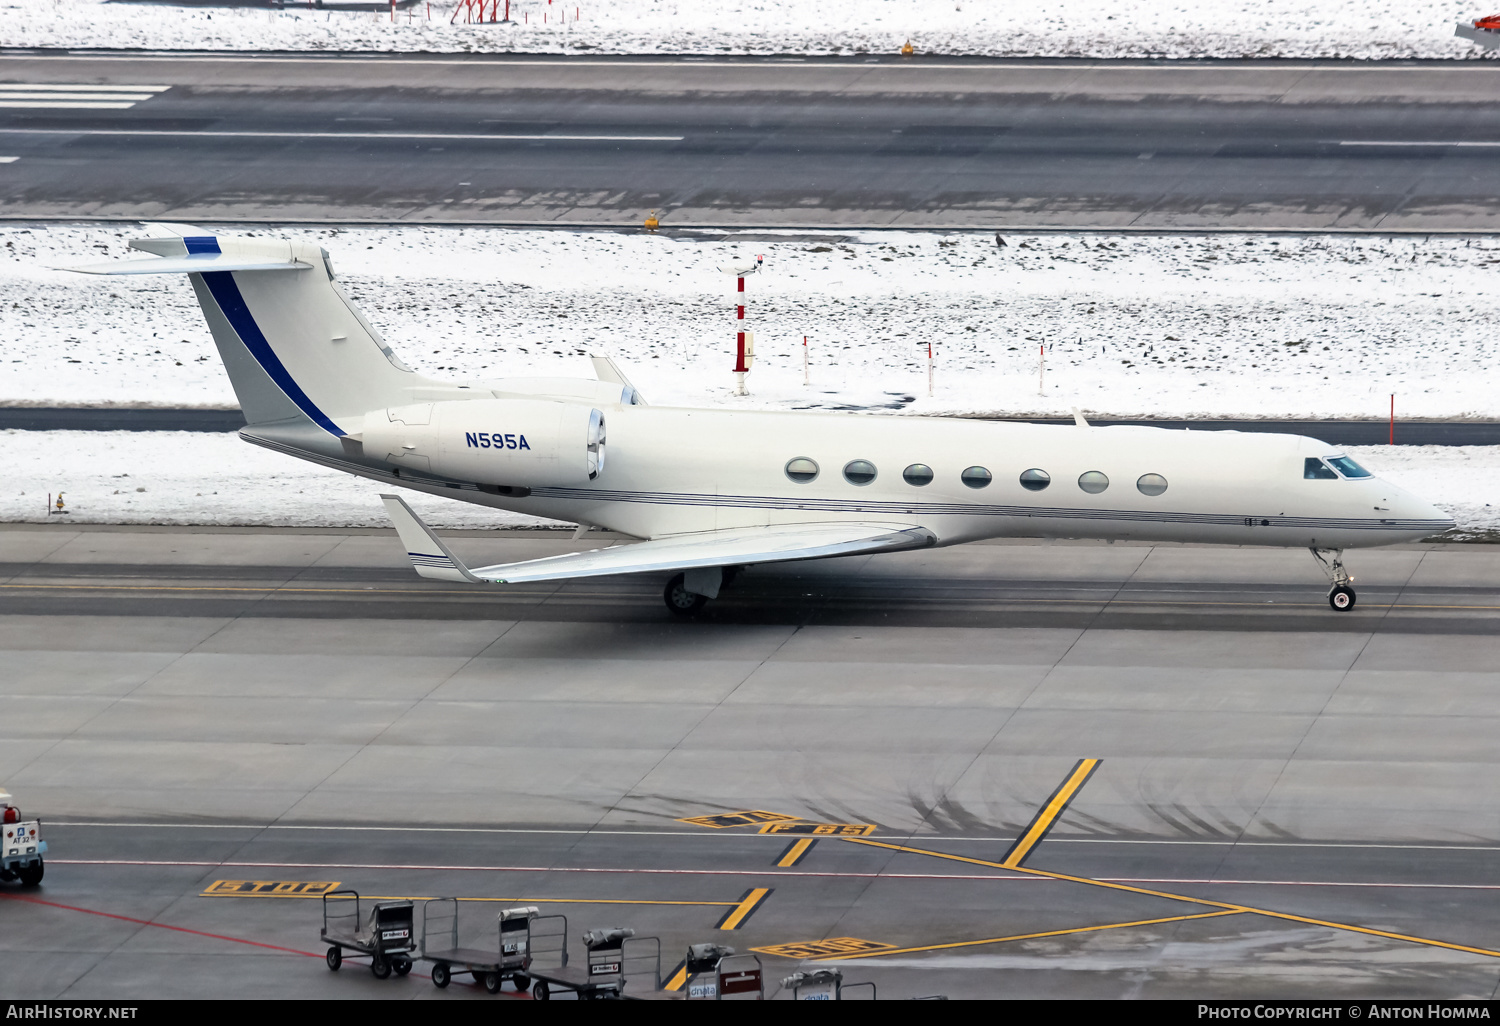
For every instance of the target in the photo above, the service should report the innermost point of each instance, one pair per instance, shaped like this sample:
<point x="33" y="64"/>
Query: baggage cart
<point x="641" y="971"/>
<point x="489" y="967"/>
<point x="385" y="933"/>
<point x="716" y="973"/>
<point x="601" y="976"/>
<point x="21" y="845"/>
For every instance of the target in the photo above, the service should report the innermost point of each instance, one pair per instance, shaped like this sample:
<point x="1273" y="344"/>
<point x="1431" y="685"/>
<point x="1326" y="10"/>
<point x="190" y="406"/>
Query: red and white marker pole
<point x="744" y="347"/>
<point x="806" y="378"/>
<point x="929" y="370"/>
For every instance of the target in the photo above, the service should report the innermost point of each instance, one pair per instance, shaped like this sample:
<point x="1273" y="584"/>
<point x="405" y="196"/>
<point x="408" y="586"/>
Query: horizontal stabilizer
<point x="198" y="263"/>
<point x="736" y="547"/>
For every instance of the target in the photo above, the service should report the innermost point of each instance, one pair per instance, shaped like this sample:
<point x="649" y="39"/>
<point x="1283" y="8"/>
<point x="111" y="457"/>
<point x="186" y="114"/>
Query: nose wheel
<point x="1341" y="594"/>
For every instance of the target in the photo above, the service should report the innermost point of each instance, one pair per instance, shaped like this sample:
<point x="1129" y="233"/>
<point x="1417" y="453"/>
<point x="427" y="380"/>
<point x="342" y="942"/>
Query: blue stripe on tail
<point x="227" y="294"/>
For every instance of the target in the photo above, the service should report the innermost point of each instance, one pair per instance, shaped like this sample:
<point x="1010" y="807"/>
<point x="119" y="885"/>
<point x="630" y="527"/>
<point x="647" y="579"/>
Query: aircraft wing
<point x="432" y="559"/>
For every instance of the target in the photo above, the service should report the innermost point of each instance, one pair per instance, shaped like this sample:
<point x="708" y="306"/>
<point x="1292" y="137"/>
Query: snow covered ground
<point x="1046" y="28"/>
<point x="192" y="478"/>
<point x="1195" y="326"/>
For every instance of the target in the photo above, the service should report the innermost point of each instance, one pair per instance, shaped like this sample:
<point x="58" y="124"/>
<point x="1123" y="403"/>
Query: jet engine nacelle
<point x="528" y="443"/>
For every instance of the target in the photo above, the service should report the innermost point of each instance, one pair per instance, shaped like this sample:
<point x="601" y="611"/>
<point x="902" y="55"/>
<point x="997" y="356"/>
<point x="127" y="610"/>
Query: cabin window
<point x="1034" y="480"/>
<point x="976" y="477"/>
<point x="859" y="472"/>
<point x="801" y="470"/>
<point x="917" y="475"/>
<point x="1314" y="469"/>
<point x="1093" y="482"/>
<point x="1151" y="484"/>
<point x="1344" y="465"/>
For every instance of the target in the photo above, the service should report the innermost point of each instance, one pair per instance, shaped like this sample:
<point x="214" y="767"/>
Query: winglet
<point x="429" y="556"/>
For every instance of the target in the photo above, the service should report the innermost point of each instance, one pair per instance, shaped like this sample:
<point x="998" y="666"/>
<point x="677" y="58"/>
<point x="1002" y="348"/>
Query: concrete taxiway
<point x="1286" y="802"/>
<point x="881" y="141"/>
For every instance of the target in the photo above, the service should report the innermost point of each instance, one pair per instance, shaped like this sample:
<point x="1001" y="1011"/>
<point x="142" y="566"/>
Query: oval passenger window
<point x="1034" y="480"/>
<point x="917" y="475"/>
<point x="859" y="472"/>
<point x="1151" y="484"/>
<point x="1093" y="482"/>
<point x="801" y="470"/>
<point x="976" y="477"/>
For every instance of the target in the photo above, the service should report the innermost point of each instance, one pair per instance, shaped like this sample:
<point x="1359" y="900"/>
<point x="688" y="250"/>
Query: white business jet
<point x="711" y="491"/>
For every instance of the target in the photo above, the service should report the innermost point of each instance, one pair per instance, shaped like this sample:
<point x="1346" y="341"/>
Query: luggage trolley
<point x="385" y="934"/>
<point x="602" y="976"/>
<point x="489" y="967"/>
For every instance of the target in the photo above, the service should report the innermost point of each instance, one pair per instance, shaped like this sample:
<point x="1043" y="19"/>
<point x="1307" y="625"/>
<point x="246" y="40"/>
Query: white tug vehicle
<point x="23" y="847"/>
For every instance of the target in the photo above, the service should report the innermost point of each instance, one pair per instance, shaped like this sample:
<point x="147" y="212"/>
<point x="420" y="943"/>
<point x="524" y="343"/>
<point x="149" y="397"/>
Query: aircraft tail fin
<point x="301" y="358"/>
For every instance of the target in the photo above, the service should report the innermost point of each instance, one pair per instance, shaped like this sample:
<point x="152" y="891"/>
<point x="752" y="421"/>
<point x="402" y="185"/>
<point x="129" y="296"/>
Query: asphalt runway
<point x="871" y="141"/>
<point x="1286" y="802"/>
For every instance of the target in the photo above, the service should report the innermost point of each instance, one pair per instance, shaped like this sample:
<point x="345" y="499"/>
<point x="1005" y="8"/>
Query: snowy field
<point x="1135" y="326"/>
<point x="110" y="477"/>
<point x="1044" y="28"/>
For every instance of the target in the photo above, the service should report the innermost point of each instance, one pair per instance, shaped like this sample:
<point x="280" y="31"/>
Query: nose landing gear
<point x="1341" y="594"/>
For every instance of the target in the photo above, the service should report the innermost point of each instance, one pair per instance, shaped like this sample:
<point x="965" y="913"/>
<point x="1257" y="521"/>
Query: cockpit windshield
<point x="1344" y="465"/>
<point x="1314" y="469"/>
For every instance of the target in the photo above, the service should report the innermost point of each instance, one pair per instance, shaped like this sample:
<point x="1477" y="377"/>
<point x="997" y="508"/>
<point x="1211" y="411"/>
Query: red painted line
<point x="1304" y="883"/>
<point x="160" y="926"/>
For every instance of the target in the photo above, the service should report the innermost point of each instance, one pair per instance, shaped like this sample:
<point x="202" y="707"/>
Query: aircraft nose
<point x="1409" y="507"/>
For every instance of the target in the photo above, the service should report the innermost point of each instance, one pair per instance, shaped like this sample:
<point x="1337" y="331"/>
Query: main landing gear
<point x="1341" y="594"/>
<point x="688" y="592"/>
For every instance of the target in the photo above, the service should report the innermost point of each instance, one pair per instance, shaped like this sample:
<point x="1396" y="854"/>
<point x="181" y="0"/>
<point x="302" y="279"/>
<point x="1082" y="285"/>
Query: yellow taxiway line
<point x="1028" y="936"/>
<point x="1054" y="806"/>
<point x="1227" y="906"/>
<point x="742" y="909"/>
<point x="429" y="592"/>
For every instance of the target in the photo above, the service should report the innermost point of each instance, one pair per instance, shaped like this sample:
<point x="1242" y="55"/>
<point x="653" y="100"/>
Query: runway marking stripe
<point x="748" y="817"/>
<point x="160" y="926"/>
<point x="829" y="947"/>
<point x="741" y="913"/>
<point x="81" y="87"/>
<point x="363" y="136"/>
<point x="113" y="824"/>
<point x="1032" y="936"/>
<point x="269" y="888"/>
<point x="820" y="829"/>
<point x="1049" y="812"/>
<point x="1183" y="897"/>
<point x="999" y="877"/>
<point x="469" y="593"/>
<point x="795" y="852"/>
<point x="677" y="977"/>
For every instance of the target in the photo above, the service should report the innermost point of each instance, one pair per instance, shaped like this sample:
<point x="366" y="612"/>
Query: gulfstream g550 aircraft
<point x="709" y="491"/>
